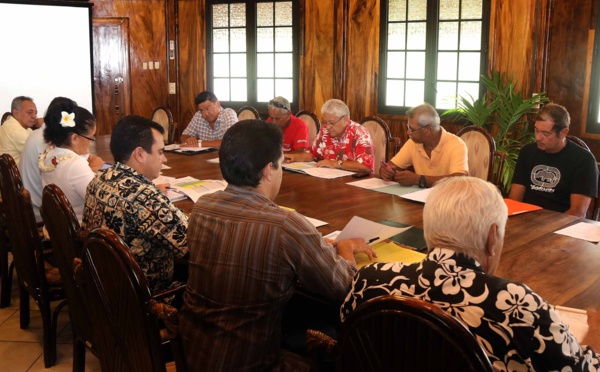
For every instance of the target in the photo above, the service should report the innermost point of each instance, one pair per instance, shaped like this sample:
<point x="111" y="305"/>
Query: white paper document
<point x="371" y="232"/>
<point x="582" y="230"/>
<point x="172" y="194"/>
<point x="418" y="196"/>
<point x="576" y="319"/>
<point x="187" y="149"/>
<point x="310" y="169"/>
<point x="372" y="183"/>
<point x="315" y="222"/>
<point x="195" y="188"/>
<point x="213" y="160"/>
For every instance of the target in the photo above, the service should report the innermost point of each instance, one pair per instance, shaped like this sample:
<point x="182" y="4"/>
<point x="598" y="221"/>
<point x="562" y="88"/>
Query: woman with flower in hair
<point x="67" y="162"/>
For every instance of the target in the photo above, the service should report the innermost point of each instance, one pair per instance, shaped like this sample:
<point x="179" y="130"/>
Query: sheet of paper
<point x="371" y="232"/>
<point x="310" y="169"/>
<point x="213" y="160"/>
<point x="419" y="196"/>
<point x="582" y="230"/>
<point x="172" y="194"/>
<point x="390" y="252"/>
<point x="186" y="149"/>
<point x="328" y="173"/>
<point x="195" y="188"/>
<point x="398" y="190"/>
<point x="164" y="166"/>
<point x="372" y="183"/>
<point x="315" y="222"/>
<point x="576" y="319"/>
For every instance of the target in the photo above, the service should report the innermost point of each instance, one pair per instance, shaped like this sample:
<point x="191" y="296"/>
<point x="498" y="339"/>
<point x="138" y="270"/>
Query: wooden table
<point x="563" y="270"/>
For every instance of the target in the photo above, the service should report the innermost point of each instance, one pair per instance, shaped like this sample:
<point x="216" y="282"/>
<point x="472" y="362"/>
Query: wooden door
<point x="112" y="95"/>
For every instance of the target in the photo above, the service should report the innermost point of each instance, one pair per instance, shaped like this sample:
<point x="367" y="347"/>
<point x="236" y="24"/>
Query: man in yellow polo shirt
<point x="433" y="152"/>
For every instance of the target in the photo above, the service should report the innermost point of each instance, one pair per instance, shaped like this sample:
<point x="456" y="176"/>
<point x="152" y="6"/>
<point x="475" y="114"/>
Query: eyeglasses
<point x="87" y="138"/>
<point x="278" y="105"/>
<point x="207" y="109"/>
<point x="331" y="124"/>
<point x="410" y="130"/>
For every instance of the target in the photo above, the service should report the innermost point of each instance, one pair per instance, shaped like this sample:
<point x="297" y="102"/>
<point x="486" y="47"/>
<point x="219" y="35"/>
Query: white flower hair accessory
<point x="68" y="120"/>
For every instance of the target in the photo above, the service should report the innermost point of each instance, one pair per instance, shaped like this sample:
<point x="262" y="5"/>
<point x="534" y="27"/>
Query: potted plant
<point x="503" y="112"/>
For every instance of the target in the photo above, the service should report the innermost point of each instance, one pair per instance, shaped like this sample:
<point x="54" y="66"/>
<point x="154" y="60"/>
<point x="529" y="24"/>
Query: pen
<point x="388" y="166"/>
<point x="372" y="240"/>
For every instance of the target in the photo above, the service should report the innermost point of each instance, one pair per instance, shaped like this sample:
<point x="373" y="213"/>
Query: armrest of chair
<point x="318" y="341"/>
<point x="168" y="315"/>
<point x="394" y="146"/>
<point x="168" y="293"/>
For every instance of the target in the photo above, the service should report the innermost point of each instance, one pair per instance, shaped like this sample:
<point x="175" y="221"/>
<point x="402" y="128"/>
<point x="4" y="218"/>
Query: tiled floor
<point x="22" y="349"/>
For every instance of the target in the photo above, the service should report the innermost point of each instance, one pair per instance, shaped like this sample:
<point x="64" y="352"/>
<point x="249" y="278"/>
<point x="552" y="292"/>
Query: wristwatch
<point x="422" y="182"/>
<point x="340" y="162"/>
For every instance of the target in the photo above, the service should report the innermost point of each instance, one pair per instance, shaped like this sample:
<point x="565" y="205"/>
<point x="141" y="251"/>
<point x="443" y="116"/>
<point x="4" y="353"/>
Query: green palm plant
<point x="502" y="111"/>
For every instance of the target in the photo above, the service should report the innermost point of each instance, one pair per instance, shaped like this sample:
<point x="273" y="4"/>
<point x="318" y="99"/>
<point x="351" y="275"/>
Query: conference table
<point x="563" y="270"/>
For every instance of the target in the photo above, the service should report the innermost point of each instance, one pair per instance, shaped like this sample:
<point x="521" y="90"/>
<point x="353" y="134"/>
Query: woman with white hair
<point x="464" y="221"/>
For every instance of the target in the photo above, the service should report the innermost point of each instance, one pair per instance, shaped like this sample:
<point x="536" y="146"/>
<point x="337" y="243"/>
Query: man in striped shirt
<point x="247" y="256"/>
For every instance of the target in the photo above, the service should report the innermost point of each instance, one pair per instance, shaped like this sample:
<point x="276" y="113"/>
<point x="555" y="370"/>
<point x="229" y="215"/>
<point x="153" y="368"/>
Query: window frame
<point x="251" y="54"/>
<point x="431" y="45"/>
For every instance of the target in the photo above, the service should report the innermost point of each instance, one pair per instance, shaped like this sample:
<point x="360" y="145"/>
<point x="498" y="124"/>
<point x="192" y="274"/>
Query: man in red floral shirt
<point x="341" y="143"/>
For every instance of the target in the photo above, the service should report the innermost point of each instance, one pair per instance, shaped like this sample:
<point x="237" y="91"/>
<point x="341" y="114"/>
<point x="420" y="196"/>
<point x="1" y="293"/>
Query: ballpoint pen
<point x="388" y="166"/>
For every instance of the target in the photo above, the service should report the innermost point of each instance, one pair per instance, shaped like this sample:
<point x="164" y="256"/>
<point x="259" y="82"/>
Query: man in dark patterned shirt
<point x="464" y="220"/>
<point x="124" y="199"/>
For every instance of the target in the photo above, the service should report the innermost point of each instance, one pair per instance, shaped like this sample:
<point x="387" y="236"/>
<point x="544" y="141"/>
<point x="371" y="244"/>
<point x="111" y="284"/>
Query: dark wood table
<point x="563" y="270"/>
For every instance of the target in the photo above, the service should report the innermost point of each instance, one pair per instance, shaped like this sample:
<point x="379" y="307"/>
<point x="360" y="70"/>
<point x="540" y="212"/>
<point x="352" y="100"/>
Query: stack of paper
<point x="187" y="150"/>
<point x="195" y="188"/>
<point x="310" y="169"/>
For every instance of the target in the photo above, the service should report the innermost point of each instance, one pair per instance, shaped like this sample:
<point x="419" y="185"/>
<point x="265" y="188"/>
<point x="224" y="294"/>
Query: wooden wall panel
<point x="147" y="40"/>
<point x="512" y="41"/>
<point x="317" y="61"/>
<point x="362" y="58"/>
<point x="191" y="56"/>
<point x="567" y="64"/>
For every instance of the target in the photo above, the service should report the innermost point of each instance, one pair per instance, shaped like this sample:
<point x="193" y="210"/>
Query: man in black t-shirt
<point x="555" y="173"/>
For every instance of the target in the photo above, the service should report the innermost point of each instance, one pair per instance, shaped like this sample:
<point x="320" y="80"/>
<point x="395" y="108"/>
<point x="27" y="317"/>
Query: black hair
<point x="132" y="131"/>
<point x="60" y="135"/>
<point x="205" y="96"/>
<point x="246" y="149"/>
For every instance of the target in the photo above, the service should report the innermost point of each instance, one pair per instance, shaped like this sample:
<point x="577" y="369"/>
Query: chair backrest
<point x="381" y="137"/>
<point x="67" y="243"/>
<point x="594" y="208"/>
<point x="481" y="148"/>
<point x="313" y="122"/>
<point x="117" y="296"/>
<point x="4" y="117"/>
<point x="163" y="116"/>
<point x="396" y="333"/>
<point x="248" y="113"/>
<point x="22" y="231"/>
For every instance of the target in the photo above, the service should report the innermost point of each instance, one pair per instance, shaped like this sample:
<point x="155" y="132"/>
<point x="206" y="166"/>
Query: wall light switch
<point x="172" y="88"/>
<point x="156" y="65"/>
<point x="144" y="66"/>
<point x="150" y="65"/>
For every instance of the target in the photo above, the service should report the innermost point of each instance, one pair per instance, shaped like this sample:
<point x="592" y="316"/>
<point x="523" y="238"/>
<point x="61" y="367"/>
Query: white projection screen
<point x="45" y="52"/>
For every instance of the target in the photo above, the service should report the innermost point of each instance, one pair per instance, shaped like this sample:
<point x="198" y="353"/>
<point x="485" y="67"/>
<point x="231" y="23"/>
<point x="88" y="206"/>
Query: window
<point x="252" y="51"/>
<point x="431" y="51"/>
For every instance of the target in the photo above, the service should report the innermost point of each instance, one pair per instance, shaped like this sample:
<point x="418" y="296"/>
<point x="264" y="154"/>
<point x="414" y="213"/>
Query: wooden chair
<point x="4" y="117"/>
<point x="164" y="117"/>
<point x="594" y="208"/>
<point x="397" y="333"/>
<point x="481" y="148"/>
<point x="124" y="314"/>
<point x="385" y="146"/>
<point x="36" y="278"/>
<point x="248" y="113"/>
<point x="67" y="243"/>
<point x="6" y="269"/>
<point x="313" y="122"/>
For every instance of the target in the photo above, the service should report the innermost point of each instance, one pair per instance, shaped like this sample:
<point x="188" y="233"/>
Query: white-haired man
<point x="431" y="151"/>
<point x="341" y="143"/>
<point x="464" y="220"/>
